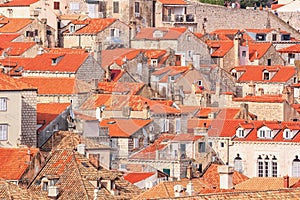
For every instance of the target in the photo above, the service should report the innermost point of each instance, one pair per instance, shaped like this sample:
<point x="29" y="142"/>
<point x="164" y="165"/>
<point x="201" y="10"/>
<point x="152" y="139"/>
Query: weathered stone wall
<point x="89" y="70"/>
<point x="272" y="54"/>
<point x="220" y="17"/>
<point x="29" y="118"/>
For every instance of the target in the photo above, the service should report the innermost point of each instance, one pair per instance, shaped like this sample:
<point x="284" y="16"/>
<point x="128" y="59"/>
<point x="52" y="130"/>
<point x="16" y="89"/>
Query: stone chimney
<point x="286" y="181"/>
<point x="226" y="174"/>
<point x="81" y="149"/>
<point x="252" y="88"/>
<point x="28" y="156"/>
<point x="236" y="47"/>
<point x="288" y="94"/>
<point x="95" y="88"/>
<point x="189" y="172"/>
<point x="190" y="189"/>
<point x="178" y="190"/>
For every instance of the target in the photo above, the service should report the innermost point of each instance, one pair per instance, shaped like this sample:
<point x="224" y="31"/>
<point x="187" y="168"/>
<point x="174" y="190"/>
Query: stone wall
<point x="29" y="118"/>
<point x="272" y="54"/>
<point x="220" y="17"/>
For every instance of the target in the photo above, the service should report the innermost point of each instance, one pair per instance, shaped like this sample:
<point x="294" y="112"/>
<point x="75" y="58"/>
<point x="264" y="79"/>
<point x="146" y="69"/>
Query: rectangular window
<point x="201" y="147"/>
<point x="56" y="5"/>
<point x="116" y="7"/>
<point x="266" y="168"/>
<point x="269" y="62"/>
<point x="260" y="169"/>
<point x="3" y="104"/>
<point x="243" y="53"/>
<point x="114" y="32"/>
<point x="137" y="7"/>
<point x="3" y="131"/>
<point x="135" y="143"/>
<point x="164" y="125"/>
<point x="178" y="125"/>
<point x="274" y="37"/>
<point x="274" y="169"/>
<point x="222" y="144"/>
<point x="74" y="6"/>
<point x="36" y="32"/>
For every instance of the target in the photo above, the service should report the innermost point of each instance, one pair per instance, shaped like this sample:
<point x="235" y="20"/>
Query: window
<point x="264" y="132"/>
<point x="201" y="147"/>
<point x="114" y="32"/>
<point x="164" y="125"/>
<point x="190" y="53"/>
<point x="241" y="133"/>
<point x="266" y="75"/>
<point x="178" y="125"/>
<point x="260" y="37"/>
<point x="243" y="53"/>
<point x="137" y="7"/>
<point x="72" y="28"/>
<point x="287" y="134"/>
<point x="260" y="166"/>
<point x="274" y="167"/>
<point x="29" y="34"/>
<point x="238" y="166"/>
<point x="222" y="144"/>
<point x="116" y="7"/>
<point x="274" y="37"/>
<point x="154" y="62"/>
<point x="3" y="104"/>
<point x="56" y="5"/>
<point x="267" y="167"/>
<point x="199" y="83"/>
<point x="285" y="37"/>
<point x="135" y="143"/>
<point x="54" y="61"/>
<point x="296" y="167"/>
<point x="269" y="62"/>
<point x="188" y="38"/>
<point x="3" y="131"/>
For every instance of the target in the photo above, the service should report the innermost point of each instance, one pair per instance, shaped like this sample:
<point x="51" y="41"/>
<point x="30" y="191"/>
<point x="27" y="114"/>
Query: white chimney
<point x="178" y="190"/>
<point x="190" y="189"/>
<point x="81" y="149"/>
<point x="96" y="194"/>
<point x="53" y="191"/>
<point x="226" y="173"/>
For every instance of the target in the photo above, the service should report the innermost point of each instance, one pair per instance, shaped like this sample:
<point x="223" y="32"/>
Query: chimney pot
<point x="286" y="181"/>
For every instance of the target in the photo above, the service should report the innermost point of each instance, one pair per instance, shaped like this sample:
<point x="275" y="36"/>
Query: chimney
<point x="81" y="149"/>
<point x="28" y="156"/>
<point x="96" y="194"/>
<point x="95" y="85"/>
<point x="99" y="52"/>
<point x="286" y="181"/>
<point x="53" y="191"/>
<point x="252" y="88"/>
<point x="178" y="190"/>
<point x="226" y="173"/>
<point x="189" y="172"/>
<point x="40" y="51"/>
<point x="190" y="189"/>
<point x="236" y="47"/>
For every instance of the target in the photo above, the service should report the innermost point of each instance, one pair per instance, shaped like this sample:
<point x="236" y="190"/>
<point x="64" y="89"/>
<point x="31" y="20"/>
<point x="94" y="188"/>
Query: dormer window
<point x="171" y="78"/>
<point x="287" y="134"/>
<point x="264" y="132"/>
<point x="72" y="28"/>
<point x="233" y="73"/>
<point x="266" y="75"/>
<point x="285" y="37"/>
<point x="199" y="83"/>
<point x="54" y="61"/>
<point x="154" y="62"/>
<point x="158" y="34"/>
<point x="260" y="37"/>
<point x="240" y="132"/>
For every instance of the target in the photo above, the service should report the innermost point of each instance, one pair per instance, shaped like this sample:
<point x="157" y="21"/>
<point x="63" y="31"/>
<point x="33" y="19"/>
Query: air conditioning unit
<point x="137" y="14"/>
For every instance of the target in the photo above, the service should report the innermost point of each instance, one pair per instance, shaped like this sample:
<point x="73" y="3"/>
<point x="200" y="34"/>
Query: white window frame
<point x="165" y="123"/>
<point x="3" y="132"/>
<point x="296" y="167"/>
<point x="136" y="143"/>
<point x="3" y="104"/>
<point x="287" y="134"/>
<point x="74" y="6"/>
<point x="114" y="32"/>
<point x="154" y="62"/>
<point x="238" y="164"/>
<point x="178" y="125"/>
<point x="267" y="167"/>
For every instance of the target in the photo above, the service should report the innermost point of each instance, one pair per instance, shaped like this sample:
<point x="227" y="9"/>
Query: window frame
<point x="201" y="147"/>
<point x="3" y="132"/>
<point x="56" y="5"/>
<point x="137" y="7"/>
<point x="3" y="104"/>
<point x="116" y="7"/>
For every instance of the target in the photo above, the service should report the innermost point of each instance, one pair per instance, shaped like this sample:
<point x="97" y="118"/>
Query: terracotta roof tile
<point x="18" y="3"/>
<point x="13" y="25"/>
<point x="118" y="55"/>
<point x="186" y="137"/>
<point x="264" y="99"/>
<point x="264" y="183"/>
<point x="123" y="127"/>
<point x="173" y="2"/>
<point x="14" y="162"/>
<point x="47" y="112"/>
<point x="120" y="88"/>
<point x="9" y="83"/>
<point x="93" y="25"/>
<point x="169" y="33"/>
<point x="276" y="6"/>
<point x="255" y="73"/>
<point x="50" y="85"/>
<point x="290" y="49"/>
<point x="258" y="50"/>
<point x="135" y="177"/>
<point x="154" y="53"/>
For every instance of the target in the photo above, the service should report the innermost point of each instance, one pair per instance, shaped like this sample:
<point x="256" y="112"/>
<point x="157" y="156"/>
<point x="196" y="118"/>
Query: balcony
<point x="189" y="18"/>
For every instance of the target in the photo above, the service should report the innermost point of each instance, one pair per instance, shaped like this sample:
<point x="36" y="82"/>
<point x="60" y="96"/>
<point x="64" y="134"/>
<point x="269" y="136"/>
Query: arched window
<point x="266" y="166"/>
<point x="296" y="167"/>
<point x="238" y="165"/>
<point x="260" y="166"/>
<point x="274" y="166"/>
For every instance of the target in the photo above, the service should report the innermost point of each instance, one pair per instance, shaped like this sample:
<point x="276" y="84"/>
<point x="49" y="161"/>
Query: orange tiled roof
<point x="276" y="6"/>
<point x="169" y="33"/>
<point x="13" y="25"/>
<point x="173" y="2"/>
<point x="149" y="151"/>
<point x="135" y="177"/>
<point x="118" y="55"/>
<point x="93" y="25"/>
<point x="47" y="112"/>
<point x="122" y="88"/>
<point x="258" y="50"/>
<point x="117" y="102"/>
<point x="18" y="3"/>
<point x="265" y="183"/>
<point x="50" y="85"/>
<point x="66" y="62"/>
<point x="199" y="35"/>
<point x="223" y="47"/>
<point x="212" y="176"/>
<point x="14" y="162"/>
<point x="264" y="98"/>
<point x="290" y="49"/>
<point x="266" y="30"/>
<point x="123" y="127"/>
<point x="187" y="137"/>
<point x="255" y="73"/>
<point x="9" y="83"/>
<point x="8" y="37"/>
<point x="16" y="48"/>
<point x="154" y="53"/>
